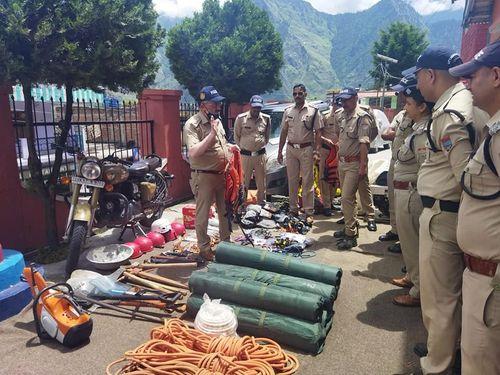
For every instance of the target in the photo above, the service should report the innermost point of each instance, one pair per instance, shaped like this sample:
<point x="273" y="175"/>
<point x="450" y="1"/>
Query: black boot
<point x="347" y="243"/>
<point x="372" y="226"/>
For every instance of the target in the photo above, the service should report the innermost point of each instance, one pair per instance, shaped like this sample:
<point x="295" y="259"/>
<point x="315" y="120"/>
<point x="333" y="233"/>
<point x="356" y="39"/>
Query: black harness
<point x="469" y="127"/>
<point x="491" y="166"/>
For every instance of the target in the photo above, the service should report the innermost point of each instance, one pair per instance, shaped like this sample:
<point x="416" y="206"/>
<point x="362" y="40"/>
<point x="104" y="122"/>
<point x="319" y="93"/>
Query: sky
<point x="183" y="8"/>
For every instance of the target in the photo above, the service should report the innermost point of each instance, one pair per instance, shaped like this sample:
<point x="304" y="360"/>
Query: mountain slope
<point x="325" y="51"/>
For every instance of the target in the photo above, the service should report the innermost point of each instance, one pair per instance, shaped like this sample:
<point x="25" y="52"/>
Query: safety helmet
<point x="157" y="239"/>
<point x="161" y="226"/>
<point x="136" y="248"/>
<point x="170" y="236"/>
<point x="145" y="243"/>
<point x="178" y="228"/>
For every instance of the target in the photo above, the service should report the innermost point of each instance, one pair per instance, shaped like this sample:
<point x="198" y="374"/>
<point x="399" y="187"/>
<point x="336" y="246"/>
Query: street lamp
<point x="384" y="60"/>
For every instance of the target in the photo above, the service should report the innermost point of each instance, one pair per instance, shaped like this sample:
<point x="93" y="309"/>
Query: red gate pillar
<point x="162" y="106"/>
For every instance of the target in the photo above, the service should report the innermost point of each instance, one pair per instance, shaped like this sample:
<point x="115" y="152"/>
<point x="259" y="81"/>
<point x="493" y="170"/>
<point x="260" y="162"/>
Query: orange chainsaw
<point x="57" y="315"/>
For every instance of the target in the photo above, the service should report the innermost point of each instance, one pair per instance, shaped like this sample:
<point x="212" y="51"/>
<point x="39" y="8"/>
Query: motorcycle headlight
<point x="90" y="170"/>
<point x="115" y="174"/>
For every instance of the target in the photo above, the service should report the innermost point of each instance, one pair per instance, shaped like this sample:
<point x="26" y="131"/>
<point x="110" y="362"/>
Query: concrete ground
<point x="370" y="335"/>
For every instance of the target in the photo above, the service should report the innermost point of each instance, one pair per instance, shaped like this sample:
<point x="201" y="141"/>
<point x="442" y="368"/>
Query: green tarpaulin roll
<point x="272" y="278"/>
<point x="296" y="333"/>
<point x="229" y="253"/>
<point x="302" y="305"/>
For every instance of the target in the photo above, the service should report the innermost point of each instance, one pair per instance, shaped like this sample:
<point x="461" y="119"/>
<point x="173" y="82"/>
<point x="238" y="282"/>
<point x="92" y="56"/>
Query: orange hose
<point x="176" y="349"/>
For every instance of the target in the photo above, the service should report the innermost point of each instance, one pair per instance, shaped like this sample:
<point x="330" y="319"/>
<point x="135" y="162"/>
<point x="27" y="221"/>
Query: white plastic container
<point x="216" y="319"/>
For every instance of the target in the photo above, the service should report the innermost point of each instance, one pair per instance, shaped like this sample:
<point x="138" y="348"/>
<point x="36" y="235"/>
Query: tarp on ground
<point x="296" y="333"/>
<point x="229" y="253"/>
<point x="302" y="305"/>
<point x="272" y="278"/>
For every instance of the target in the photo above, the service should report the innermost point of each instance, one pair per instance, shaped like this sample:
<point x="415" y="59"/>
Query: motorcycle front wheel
<point x="77" y="239"/>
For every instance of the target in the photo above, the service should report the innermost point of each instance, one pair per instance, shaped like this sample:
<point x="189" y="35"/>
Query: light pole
<point x="385" y="74"/>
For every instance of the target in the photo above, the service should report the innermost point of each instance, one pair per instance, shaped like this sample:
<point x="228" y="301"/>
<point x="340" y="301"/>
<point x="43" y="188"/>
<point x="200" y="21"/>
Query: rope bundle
<point x="176" y="349"/>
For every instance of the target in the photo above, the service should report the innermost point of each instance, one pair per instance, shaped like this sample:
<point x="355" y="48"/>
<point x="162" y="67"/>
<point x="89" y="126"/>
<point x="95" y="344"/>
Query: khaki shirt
<point x="328" y="129"/>
<point x="439" y="176"/>
<point x="352" y="130"/>
<point x="216" y="157"/>
<point x="402" y="124"/>
<point x="411" y="154"/>
<point x="478" y="230"/>
<point x="300" y="123"/>
<point x="252" y="134"/>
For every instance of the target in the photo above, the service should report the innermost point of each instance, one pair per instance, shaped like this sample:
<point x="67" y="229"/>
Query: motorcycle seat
<point x="138" y="169"/>
<point x="153" y="162"/>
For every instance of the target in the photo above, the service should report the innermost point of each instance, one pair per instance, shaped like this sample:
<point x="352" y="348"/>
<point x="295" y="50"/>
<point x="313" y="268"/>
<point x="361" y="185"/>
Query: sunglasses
<point x="300" y="93"/>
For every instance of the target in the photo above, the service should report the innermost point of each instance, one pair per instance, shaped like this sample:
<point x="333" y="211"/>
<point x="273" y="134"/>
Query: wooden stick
<point x="154" y="285"/>
<point x="161" y="279"/>
<point x="122" y="310"/>
<point x="169" y="265"/>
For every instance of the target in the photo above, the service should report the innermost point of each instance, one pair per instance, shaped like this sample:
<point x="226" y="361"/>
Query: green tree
<point x="401" y="41"/>
<point x="79" y="44"/>
<point x="233" y="47"/>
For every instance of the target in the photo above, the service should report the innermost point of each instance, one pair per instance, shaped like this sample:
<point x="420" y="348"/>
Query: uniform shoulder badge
<point x="244" y="114"/>
<point x="338" y="110"/>
<point x="446" y="142"/>
<point x="495" y="128"/>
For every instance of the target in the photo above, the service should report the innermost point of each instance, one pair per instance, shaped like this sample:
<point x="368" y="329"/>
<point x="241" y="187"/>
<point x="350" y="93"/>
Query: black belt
<point x="253" y="153"/>
<point x="448" y="206"/>
<point x="208" y="172"/>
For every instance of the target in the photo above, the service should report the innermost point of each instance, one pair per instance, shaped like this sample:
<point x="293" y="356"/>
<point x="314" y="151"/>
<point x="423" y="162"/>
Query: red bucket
<point x="189" y="215"/>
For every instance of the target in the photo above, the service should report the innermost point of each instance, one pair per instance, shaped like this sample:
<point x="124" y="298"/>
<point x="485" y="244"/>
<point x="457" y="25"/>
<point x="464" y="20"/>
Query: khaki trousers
<point x="299" y="163"/>
<point x="408" y="207"/>
<point x="208" y="188"/>
<point x="349" y="181"/>
<point x="392" y="203"/>
<point x="327" y="190"/>
<point x="256" y="164"/>
<point x="480" y="325"/>
<point x="366" y="198"/>
<point x="441" y="267"/>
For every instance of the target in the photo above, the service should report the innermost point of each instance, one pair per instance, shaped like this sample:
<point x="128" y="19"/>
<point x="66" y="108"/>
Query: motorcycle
<point x="122" y="194"/>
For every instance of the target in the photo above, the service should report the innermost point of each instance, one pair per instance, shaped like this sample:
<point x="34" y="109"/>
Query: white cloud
<point x="183" y="8"/>
<point x="177" y="8"/>
<point x="431" y="6"/>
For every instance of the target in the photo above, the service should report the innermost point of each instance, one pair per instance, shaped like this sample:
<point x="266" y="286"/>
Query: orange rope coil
<point x="176" y="349"/>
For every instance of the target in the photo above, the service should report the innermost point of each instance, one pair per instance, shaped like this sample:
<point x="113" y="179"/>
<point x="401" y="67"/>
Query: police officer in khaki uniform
<point x="251" y="133"/>
<point x="401" y="127"/>
<point x="209" y="154"/>
<point x="299" y="128"/>
<point x="352" y="126"/>
<point x="328" y="140"/>
<point x="408" y="205"/>
<point x="440" y="259"/>
<point x="478" y="230"/>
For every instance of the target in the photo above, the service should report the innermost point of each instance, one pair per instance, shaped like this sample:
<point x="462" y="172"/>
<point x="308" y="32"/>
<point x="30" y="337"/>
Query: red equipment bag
<point x="331" y="173"/>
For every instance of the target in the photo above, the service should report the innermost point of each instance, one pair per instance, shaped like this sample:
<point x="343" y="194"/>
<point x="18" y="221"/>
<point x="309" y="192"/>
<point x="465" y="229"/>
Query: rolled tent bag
<point x="271" y="278"/>
<point x="258" y="295"/>
<point x="229" y="253"/>
<point x="296" y="333"/>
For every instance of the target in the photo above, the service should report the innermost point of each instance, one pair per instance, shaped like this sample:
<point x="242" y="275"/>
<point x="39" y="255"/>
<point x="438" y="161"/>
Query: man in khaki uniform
<point x="328" y="139"/>
<point x="408" y="205"/>
<point x="352" y="126"/>
<point x="299" y="128"/>
<point x="478" y="230"/>
<point x="401" y="127"/>
<point x="209" y="154"/>
<point x="251" y="133"/>
<point x="440" y="259"/>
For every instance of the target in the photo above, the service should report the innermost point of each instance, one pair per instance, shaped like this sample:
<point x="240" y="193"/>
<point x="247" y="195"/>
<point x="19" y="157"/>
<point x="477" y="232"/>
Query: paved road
<point x="370" y="335"/>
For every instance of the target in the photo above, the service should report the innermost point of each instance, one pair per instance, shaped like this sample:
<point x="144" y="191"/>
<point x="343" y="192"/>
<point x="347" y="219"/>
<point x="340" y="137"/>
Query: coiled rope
<point x="176" y="349"/>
